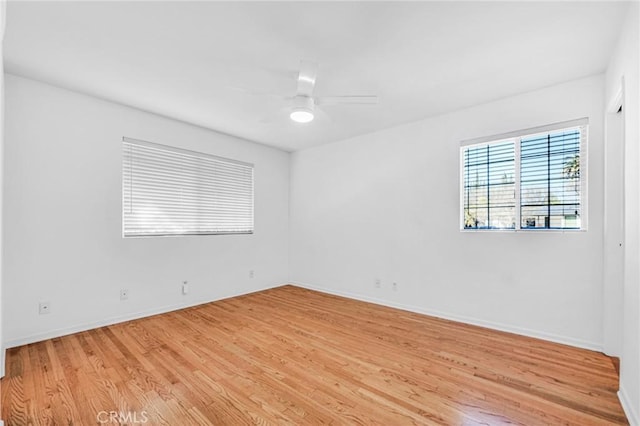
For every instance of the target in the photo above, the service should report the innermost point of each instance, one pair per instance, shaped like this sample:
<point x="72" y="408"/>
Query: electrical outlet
<point x="251" y="274"/>
<point x="44" y="308"/>
<point x="395" y="286"/>
<point x="377" y="283"/>
<point x="185" y="287"/>
<point x="124" y="294"/>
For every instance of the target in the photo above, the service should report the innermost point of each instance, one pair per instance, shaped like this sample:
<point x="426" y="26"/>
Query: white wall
<point x="387" y="205"/>
<point x="3" y="16"/>
<point x="62" y="217"/>
<point x="624" y="65"/>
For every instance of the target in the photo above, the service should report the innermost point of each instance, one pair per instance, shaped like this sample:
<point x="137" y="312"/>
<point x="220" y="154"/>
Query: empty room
<point x="314" y="212"/>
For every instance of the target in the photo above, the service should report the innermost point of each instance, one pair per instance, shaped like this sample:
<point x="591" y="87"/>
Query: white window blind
<point x="532" y="179"/>
<point x="550" y="189"/>
<point x="489" y="186"/>
<point x="171" y="191"/>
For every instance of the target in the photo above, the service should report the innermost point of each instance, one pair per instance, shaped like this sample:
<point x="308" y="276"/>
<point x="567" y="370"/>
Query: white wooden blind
<point x="171" y="191"/>
<point x="550" y="179"/>
<point x="489" y="186"/>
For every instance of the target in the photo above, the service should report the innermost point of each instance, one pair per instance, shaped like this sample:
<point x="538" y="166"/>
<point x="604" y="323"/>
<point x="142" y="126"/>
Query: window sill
<point x="528" y="231"/>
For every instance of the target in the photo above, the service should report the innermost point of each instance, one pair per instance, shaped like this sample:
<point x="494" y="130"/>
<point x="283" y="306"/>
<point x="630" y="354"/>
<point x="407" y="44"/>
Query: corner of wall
<point x="3" y="19"/>
<point x="290" y="172"/>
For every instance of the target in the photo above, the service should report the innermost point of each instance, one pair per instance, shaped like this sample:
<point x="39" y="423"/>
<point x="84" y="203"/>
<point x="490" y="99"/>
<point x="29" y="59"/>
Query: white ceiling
<point x="197" y="61"/>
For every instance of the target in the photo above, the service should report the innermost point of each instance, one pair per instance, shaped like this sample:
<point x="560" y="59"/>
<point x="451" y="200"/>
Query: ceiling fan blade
<point x="342" y="100"/>
<point x="307" y="77"/>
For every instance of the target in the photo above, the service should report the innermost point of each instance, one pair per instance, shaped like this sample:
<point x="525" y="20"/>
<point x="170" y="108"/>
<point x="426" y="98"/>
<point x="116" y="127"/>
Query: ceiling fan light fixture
<point x="301" y="115"/>
<point x="302" y="111"/>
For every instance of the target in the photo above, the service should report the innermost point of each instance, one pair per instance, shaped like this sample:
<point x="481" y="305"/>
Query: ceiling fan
<point x="304" y="103"/>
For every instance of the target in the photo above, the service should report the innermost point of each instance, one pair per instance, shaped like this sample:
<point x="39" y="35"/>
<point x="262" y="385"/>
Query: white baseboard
<point x="50" y="334"/>
<point x="565" y="340"/>
<point x="628" y="407"/>
<point x="3" y="353"/>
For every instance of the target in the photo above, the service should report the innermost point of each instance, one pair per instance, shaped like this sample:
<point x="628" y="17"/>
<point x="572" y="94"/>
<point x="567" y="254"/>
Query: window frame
<point x="177" y="150"/>
<point x="517" y="136"/>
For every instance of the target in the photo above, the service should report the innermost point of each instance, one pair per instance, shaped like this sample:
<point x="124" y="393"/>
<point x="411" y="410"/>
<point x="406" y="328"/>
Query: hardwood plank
<point x="294" y="356"/>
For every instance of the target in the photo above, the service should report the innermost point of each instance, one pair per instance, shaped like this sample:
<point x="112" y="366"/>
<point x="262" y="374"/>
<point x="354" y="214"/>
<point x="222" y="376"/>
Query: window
<point x="533" y="179"/>
<point x="170" y="191"/>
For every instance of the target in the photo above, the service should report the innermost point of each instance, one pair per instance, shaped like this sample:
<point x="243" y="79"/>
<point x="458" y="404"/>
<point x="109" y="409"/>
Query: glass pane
<point x="489" y="186"/>
<point x="550" y="180"/>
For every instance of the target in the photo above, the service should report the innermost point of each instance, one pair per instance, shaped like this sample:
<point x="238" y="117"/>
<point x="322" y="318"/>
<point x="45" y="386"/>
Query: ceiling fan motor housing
<point x="303" y="103"/>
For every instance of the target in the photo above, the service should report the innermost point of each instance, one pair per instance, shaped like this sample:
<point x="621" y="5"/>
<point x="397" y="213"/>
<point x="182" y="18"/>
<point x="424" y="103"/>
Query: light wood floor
<point x="293" y="356"/>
